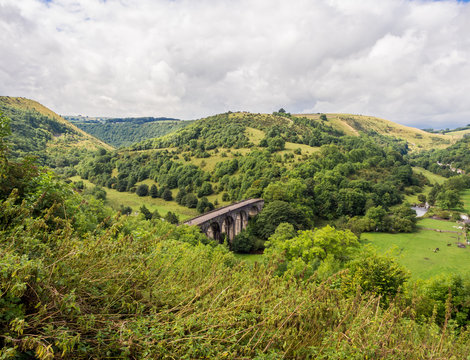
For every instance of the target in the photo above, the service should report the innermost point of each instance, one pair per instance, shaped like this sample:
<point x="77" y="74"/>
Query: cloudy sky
<point x="404" y="60"/>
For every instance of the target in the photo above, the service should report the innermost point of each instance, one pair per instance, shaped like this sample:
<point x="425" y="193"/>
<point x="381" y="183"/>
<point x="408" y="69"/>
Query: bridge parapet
<point x="229" y="220"/>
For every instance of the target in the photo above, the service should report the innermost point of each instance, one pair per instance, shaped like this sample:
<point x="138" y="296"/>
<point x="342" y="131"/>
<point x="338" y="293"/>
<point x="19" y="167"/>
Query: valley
<point x="93" y="230"/>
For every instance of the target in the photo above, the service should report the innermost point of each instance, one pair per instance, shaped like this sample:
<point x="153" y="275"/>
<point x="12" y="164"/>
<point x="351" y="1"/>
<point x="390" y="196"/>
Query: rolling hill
<point x="39" y="131"/>
<point x="355" y="124"/>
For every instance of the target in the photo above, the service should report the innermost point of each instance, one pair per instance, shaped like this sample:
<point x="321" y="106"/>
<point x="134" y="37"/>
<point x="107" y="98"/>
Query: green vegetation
<point x="129" y="131"/>
<point x="117" y="200"/>
<point x="447" y="162"/>
<point x="81" y="281"/>
<point x="416" y="251"/>
<point x="36" y="130"/>
<point x="466" y="201"/>
<point x="433" y="178"/>
<point x="354" y="125"/>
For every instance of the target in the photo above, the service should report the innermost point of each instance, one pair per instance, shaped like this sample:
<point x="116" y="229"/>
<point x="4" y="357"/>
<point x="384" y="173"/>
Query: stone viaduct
<point x="229" y="220"/>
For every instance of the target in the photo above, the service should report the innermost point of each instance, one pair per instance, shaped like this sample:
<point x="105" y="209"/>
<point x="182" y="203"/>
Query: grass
<point x="438" y="224"/>
<point x="459" y="134"/>
<point x="433" y="178"/>
<point x="466" y="200"/>
<point x="215" y="157"/>
<point x="416" y="250"/>
<point x="250" y="258"/>
<point x="413" y="198"/>
<point x="254" y="135"/>
<point x="305" y="149"/>
<point x="116" y="199"/>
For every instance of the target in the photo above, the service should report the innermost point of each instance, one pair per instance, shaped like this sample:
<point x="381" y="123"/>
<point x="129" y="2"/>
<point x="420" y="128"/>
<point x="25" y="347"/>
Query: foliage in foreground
<point x="145" y="292"/>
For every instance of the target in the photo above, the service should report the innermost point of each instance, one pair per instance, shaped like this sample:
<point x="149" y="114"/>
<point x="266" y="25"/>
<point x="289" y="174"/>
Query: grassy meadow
<point x="116" y="199"/>
<point x="416" y="250"/>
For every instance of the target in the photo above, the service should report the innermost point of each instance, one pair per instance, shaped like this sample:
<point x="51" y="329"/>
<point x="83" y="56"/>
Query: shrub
<point x="142" y="190"/>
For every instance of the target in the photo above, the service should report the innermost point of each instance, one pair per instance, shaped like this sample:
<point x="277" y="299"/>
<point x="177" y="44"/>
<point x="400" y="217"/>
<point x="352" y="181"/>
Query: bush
<point x="153" y="191"/>
<point x="243" y="243"/>
<point x="166" y="195"/>
<point x="142" y="190"/>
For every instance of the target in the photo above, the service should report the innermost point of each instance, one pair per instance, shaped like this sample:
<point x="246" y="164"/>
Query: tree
<point x="172" y="218"/>
<point x="275" y="213"/>
<point x="376" y="274"/>
<point x="422" y="198"/>
<point x="306" y="251"/>
<point x="403" y="219"/>
<point x="449" y="199"/>
<point x="153" y="191"/>
<point x="203" y="205"/>
<point x="126" y="210"/>
<point x="166" y="195"/>
<point x="145" y="212"/>
<point x="156" y="215"/>
<point x="142" y="190"/>
<point x="242" y="243"/>
<point x="205" y="190"/>
<point x="190" y="201"/>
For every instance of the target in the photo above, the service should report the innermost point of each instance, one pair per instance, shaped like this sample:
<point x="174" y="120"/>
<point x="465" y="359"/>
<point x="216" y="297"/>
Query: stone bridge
<point x="229" y="220"/>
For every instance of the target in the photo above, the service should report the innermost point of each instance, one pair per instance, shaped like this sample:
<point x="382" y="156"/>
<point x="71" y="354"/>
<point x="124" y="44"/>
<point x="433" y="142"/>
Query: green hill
<point x="39" y="131"/>
<point x="327" y="175"/>
<point x="354" y="124"/>
<point x="129" y="131"/>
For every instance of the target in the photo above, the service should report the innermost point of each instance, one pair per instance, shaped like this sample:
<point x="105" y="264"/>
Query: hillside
<point x="354" y="124"/>
<point x="39" y="131"/>
<point x="447" y="162"/>
<point x="323" y="175"/>
<point x="125" y="132"/>
<point x="231" y="130"/>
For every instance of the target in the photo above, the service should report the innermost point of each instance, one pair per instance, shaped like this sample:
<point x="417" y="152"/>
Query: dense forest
<point x="120" y="132"/>
<point x="82" y="281"/>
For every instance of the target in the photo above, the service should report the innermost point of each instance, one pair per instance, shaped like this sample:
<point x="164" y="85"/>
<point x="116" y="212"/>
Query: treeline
<point x="124" y="132"/>
<point x="79" y="281"/>
<point x="445" y="131"/>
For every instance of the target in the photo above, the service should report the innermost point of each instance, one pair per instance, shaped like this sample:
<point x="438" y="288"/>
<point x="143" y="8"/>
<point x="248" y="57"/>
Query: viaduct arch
<point x="229" y="220"/>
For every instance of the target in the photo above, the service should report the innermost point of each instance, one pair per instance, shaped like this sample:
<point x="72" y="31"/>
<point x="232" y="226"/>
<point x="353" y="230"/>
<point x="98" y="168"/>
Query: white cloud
<point x="407" y="61"/>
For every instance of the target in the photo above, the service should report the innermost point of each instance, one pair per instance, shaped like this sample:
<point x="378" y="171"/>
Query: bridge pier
<point x="229" y="220"/>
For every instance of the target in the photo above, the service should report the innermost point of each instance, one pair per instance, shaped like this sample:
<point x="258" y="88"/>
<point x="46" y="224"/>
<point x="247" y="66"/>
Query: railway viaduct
<point x="229" y="220"/>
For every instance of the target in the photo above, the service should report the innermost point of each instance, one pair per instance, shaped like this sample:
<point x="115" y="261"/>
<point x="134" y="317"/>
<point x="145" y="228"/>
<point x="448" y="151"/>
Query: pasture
<point x="417" y="251"/>
<point x="116" y="199"/>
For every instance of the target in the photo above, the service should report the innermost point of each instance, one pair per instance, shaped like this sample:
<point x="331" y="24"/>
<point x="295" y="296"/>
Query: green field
<point x="433" y="178"/>
<point x="438" y="224"/>
<point x="116" y="199"/>
<point x="416" y="250"/>
<point x="466" y="200"/>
